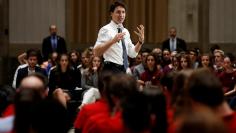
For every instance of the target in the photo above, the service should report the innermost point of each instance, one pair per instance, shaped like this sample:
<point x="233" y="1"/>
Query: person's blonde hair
<point x="219" y="51"/>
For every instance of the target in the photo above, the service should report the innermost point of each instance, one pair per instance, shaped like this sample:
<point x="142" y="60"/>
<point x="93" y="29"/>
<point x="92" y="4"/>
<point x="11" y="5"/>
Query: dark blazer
<point x="23" y="72"/>
<point x="180" y="45"/>
<point x="47" y="47"/>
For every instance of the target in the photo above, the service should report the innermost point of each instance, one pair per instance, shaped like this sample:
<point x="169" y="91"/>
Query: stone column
<point x="204" y="25"/>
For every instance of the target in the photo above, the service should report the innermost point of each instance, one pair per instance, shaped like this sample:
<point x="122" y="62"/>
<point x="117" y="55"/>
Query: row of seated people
<point x="187" y="101"/>
<point x="80" y="73"/>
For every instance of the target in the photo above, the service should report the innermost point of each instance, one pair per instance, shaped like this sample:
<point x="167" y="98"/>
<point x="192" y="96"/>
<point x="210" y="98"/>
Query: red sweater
<point x="90" y="110"/>
<point x="230" y="122"/>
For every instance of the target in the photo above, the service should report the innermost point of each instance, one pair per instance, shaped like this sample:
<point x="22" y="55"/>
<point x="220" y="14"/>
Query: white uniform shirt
<point x="115" y="52"/>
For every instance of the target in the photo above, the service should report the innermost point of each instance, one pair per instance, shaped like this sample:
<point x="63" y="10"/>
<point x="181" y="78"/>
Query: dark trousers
<point x="113" y="67"/>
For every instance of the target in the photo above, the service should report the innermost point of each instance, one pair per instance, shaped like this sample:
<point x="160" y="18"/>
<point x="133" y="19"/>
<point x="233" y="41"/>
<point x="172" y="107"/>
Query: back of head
<point x="35" y="81"/>
<point x="50" y="116"/>
<point x="178" y="92"/>
<point x="120" y="86"/>
<point x="204" y="87"/>
<point x="103" y="80"/>
<point x="201" y="121"/>
<point x="168" y="81"/>
<point x="157" y="102"/>
<point x="136" y="112"/>
<point x="139" y="108"/>
<point x="24" y="102"/>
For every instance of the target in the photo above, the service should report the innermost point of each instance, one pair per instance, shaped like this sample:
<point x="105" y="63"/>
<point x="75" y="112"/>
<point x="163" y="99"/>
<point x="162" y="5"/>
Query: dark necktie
<point x="172" y="48"/>
<point x="54" y="43"/>
<point x="125" y="56"/>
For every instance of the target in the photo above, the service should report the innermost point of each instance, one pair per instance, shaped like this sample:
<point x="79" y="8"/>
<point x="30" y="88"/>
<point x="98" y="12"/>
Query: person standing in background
<point x="53" y="43"/>
<point x="173" y="43"/>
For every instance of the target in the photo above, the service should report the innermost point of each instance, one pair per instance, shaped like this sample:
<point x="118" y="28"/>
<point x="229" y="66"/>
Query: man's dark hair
<point x="116" y="4"/>
<point x="145" y="50"/>
<point x="204" y="87"/>
<point x="193" y="50"/>
<point x="32" y="52"/>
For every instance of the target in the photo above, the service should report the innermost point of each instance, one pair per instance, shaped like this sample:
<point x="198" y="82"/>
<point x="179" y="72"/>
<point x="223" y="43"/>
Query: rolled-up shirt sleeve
<point x="102" y="36"/>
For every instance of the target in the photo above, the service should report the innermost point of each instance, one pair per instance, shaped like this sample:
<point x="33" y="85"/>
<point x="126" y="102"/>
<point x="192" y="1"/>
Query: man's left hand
<point x="140" y="33"/>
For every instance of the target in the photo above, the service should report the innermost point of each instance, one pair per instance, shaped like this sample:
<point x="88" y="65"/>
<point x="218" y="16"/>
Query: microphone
<point x="120" y="27"/>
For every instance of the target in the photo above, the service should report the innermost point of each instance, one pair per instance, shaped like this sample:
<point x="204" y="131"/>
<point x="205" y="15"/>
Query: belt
<point x="113" y="64"/>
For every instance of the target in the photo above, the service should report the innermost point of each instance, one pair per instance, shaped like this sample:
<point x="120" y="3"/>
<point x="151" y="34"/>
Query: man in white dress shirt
<point x="114" y="41"/>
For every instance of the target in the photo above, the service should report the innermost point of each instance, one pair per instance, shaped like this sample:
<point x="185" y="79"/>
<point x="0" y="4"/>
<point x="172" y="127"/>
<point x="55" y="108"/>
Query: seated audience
<point x="185" y="62"/>
<point x="89" y="81"/>
<point x="204" y="88"/>
<point x="152" y="74"/>
<point x="64" y="77"/>
<point x="100" y="106"/>
<point x="218" y="61"/>
<point x="50" y="63"/>
<point x="85" y="58"/>
<point x="74" y="59"/>
<point x="31" y="67"/>
<point x="228" y="75"/>
<point x="119" y="87"/>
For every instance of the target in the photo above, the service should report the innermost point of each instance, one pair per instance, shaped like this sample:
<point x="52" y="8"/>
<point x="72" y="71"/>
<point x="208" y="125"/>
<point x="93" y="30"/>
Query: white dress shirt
<point x="173" y="45"/>
<point x="115" y="52"/>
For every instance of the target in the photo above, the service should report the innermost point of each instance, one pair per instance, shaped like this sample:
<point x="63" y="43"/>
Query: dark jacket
<point x="47" y="47"/>
<point x="23" y="72"/>
<point x="180" y="45"/>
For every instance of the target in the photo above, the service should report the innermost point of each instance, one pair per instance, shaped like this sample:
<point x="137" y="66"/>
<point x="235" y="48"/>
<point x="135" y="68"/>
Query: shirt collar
<point x="115" y="26"/>
<point x="31" y="71"/>
<point x="173" y="38"/>
<point x="52" y="37"/>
